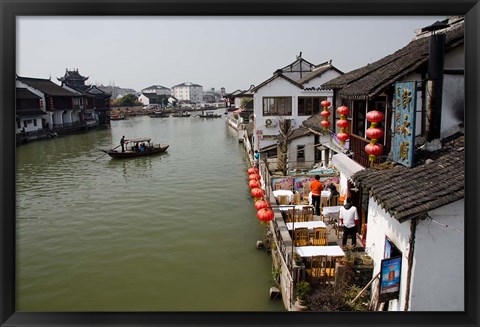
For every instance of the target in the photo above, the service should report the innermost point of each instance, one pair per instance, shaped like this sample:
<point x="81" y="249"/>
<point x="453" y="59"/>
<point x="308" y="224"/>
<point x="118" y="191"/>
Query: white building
<point x="292" y="93"/>
<point x="158" y="90"/>
<point x="417" y="214"/>
<point x="188" y="92"/>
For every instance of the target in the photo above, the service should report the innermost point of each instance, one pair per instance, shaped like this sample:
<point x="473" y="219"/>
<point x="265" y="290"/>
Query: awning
<point x="346" y="165"/>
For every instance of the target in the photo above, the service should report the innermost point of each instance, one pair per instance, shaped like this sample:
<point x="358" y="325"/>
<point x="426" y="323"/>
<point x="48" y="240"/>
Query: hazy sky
<point x="230" y="52"/>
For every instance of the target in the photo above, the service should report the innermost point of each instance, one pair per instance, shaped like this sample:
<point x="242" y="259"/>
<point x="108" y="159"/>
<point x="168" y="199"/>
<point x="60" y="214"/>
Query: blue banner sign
<point x="390" y="279"/>
<point x="404" y="123"/>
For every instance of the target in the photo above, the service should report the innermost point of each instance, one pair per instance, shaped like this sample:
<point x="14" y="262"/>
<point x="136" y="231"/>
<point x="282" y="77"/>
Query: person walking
<point x="316" y="188"/>
<point x="122" y="143"/>
<point x="348" y="216"/>
<point x="256" y="157"/>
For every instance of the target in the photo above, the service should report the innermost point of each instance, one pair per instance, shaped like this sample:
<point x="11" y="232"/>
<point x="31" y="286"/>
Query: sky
<point x="231" y="52"/>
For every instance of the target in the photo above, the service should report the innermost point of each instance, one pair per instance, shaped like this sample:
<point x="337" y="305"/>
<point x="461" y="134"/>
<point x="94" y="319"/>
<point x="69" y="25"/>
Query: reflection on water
<point x="170" y="232"/>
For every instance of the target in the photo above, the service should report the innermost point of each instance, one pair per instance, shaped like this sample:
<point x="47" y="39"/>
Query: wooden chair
<point x="334" y="200"/>
<point x="283" y="199"/>
<point x="294" y="214"/>
<point x="296" y="198"/>
<point x="306" y="190"/>
<point x="307" y="213"/>
<point x="320" y="236"/>
<point x="322" y="269"/>
<point x="301" y="236"/>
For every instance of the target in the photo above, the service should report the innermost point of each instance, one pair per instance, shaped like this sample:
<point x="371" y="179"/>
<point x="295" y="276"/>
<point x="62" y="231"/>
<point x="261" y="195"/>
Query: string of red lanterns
<point x="343" y="124"/>
<point x="265" y="212"/>
<point x="325" y="114"/>
<point x="374" y="133"/>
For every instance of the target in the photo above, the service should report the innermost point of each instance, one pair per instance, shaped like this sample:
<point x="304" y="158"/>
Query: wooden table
<point x="309" y="224"/>
<point x="311" y="251"/>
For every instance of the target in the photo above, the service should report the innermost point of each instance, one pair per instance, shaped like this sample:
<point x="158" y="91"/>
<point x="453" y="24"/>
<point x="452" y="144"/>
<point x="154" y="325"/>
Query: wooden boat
<point x="181" y="114"/>
<point x="120" y="116"/>
<point x="133" y="148"/>
<point x="159" y="114"/>
<point x="209" y="115"/>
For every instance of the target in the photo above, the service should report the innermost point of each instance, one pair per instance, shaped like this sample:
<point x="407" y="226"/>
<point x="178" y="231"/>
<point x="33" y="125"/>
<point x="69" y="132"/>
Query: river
<point x="171" y="232"/>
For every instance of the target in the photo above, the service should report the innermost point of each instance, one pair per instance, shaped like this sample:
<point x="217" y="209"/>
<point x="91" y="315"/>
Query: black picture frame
<point x="12" y="8"/>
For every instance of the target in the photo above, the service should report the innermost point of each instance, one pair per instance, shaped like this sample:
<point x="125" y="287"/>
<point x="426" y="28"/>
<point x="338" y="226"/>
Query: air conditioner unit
<point x="270" y="122"/>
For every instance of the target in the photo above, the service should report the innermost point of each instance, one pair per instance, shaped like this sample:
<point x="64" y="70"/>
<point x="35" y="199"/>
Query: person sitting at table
<point x="348" y="216"/>
<point x="316" y="187"/>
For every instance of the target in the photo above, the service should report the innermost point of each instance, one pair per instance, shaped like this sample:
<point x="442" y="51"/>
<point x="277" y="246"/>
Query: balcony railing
<point x="357" y="146"/>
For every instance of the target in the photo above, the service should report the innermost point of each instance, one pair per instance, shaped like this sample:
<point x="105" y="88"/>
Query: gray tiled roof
<point x="407" y="193"/>
<point x="47" y="86"/>
<point x="375" y="77"/>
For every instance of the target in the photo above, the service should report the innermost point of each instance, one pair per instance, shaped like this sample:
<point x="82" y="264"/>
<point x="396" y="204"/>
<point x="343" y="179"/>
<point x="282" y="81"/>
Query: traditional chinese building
<point x="94" y="100"/>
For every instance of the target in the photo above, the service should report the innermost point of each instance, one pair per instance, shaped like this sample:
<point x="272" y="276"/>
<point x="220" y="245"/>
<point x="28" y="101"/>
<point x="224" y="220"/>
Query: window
<point x="301" y="153"/>
<point x="34" y="122"/>
<point x="25" y="124"/>
<point x="308" y="106"/>
<point x="278" y="106"/>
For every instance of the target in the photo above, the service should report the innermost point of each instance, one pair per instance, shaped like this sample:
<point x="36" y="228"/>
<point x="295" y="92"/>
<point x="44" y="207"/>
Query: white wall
<point x="280" y="87"/>
<point x="381" y="225"/>
<point x="438" y="266"/>
<point x="438" y="275"/>
<point x="307" y="141"/>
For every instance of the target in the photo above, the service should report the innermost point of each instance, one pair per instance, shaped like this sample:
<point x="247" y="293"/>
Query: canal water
<point x="171" y="232"/>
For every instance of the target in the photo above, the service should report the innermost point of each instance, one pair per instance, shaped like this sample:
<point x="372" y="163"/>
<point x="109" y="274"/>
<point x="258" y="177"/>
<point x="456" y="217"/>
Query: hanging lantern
<point x="374" y="149"/>
<point x="254" y="184"/>
<point x="325" y="124"/>
<point x="254" y="177"/>
<point x="251" y="170"/>
<point x="325" y="114"/>
<point x="262" y="204"/>
<point x="265" y="215"/>
<point x="343" y="124"/>
<point x="342" y="136"/>
<point x="374" y="133"/>
<point x="257" y="192"/>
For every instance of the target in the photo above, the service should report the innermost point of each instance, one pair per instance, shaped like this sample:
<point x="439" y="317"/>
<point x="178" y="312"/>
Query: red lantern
<point x="251" y="170"/>
<point x="265" y="215"/>
<point x="325" y="123"/>
<point x="342" y="136"/>
<point x="262" y="204"/>
<point x="254" y="184"/>
<point x="257" y="192"/>
<point x="374" y="133"/>
<point x="374" y="149"/>
<point x="375" y="116"/>
<point x="325" y="113"/>
<point x="342" y="123"/>
<point x="325" y="104"/>
<point x="254" y="177"/>
<point x="343" y="110"/>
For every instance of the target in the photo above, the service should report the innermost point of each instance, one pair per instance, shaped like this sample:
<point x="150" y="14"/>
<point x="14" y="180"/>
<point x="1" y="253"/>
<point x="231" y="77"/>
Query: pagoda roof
<point x="72" y="75"/>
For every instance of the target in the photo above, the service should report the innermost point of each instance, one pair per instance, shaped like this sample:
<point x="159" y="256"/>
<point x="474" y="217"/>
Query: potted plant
<point x="302" y="290"/>
<point x="367" y="260"/>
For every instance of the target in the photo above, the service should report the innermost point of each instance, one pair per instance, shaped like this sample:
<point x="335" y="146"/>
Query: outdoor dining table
<point x="288" y="193"/>
<point x="316" y="250"/>
<point x="298" y="206"/>
<point x="328" y="211"/>
<point x="309" y="224"/>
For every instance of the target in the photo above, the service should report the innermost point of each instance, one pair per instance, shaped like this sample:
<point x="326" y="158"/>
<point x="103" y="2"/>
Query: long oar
<point x="105" y="153"/>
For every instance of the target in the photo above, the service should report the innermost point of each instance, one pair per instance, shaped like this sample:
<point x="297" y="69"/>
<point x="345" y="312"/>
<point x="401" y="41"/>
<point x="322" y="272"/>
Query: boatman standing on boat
<point x="122" y="143"/>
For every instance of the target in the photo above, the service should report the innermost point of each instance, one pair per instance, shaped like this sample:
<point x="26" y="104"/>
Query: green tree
<point x="128" y="100"/>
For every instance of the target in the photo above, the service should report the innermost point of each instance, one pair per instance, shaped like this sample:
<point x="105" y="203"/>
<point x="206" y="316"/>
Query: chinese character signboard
<point x="390" y="272"/>
<point x="404" y="123"/>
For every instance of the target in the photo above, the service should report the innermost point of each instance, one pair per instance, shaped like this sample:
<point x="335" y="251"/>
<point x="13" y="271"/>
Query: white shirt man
<point x="349" y="219"/>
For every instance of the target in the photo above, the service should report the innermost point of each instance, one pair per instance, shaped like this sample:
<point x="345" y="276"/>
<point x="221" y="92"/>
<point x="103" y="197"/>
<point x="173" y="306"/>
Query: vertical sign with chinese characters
<point x="404" y="123"/>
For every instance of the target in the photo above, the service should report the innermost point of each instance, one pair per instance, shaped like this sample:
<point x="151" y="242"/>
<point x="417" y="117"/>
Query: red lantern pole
<point x="374" y="133"/>
<point x="325" y="113"/>
<point x="342" y="123"/>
